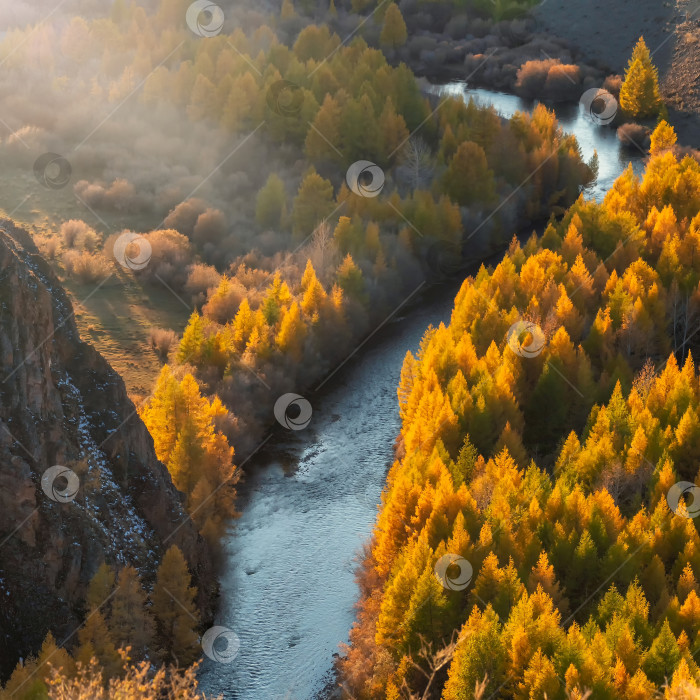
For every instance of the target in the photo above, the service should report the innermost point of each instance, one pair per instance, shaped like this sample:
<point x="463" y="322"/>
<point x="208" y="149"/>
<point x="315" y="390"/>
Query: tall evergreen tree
<point x="130" y="623"/>
<point x="174" y="610"/>
<point x="639" y="94"/>
<point x="271" y="203"/>
<point x="313" y="203"/>
<point x="393" y="32"/>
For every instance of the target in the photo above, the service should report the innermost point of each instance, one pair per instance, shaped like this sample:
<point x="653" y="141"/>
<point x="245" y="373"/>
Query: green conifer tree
<point x="639" y="94"/>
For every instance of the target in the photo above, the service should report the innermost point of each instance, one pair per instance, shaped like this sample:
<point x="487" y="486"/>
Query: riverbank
<point x="670" y="29"/>
<point x="489" y="53"/>
<point x="310" y="498"/>
<point x="568" y="49"/>
<point x="480" y="508"/>
<point x="307" y="508"/>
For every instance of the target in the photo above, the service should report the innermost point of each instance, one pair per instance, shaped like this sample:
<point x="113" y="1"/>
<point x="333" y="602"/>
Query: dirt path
<point x="682" y="82"/>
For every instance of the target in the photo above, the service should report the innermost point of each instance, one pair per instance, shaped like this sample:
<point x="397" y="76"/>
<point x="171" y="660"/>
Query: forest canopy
<point x="537" y="534"/>
<point x="542" y="431"/>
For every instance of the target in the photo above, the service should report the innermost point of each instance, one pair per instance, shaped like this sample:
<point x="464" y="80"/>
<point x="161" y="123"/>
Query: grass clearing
<point x="117" y="319"/>
<point x="117" y="316"/>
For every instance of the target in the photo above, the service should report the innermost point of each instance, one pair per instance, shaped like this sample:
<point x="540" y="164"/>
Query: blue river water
<point x="310" y="498"/>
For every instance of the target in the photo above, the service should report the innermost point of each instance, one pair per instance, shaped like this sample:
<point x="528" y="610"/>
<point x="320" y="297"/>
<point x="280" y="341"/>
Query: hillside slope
<point x="62" y="404"/>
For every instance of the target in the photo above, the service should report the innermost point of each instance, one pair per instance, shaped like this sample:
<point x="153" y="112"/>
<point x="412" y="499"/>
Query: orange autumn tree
<point x="122" y="642"/>
<point x="639" y="93"/>
<point x="550" y="473"/>
<point x="182" y="423"/>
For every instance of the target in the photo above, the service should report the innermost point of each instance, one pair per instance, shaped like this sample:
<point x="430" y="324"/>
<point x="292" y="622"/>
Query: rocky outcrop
<point x="62" y="404"/>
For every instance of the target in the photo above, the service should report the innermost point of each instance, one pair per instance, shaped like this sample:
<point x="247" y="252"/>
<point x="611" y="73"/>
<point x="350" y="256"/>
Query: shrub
<point x="200" y="280"/>
<point x="223" y="302"/>
<point x="162" y="340"/>
<point x="418" y="44"/>
<point x="49" y="246"/>
<point x="170" y="246"/>
<point x="210" y="227"/>
<point x="77" y="234"/>
<point x="563" y="82"/>
<point x="141" y="681"/>
<point x="532" y="77"/>
<point x="550" y="77"/>
<point x="634" y="136"/>
<point x="184" y="216"/>
<point x="170" y="258"/>
<point x="120" y="196"/>
<point x="612" y="84"/>
<point x="87" y="267"/>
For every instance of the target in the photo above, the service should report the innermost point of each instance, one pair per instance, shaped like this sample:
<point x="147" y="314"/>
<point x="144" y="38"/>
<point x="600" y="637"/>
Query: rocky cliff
<point x="61" y="404"/>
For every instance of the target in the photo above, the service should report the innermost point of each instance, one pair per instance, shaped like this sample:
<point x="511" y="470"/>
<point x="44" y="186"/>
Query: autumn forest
<point x="221" y="225"/>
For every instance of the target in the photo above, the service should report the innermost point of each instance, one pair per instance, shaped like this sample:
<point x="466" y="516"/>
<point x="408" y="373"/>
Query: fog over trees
<point x="284" y="176"/>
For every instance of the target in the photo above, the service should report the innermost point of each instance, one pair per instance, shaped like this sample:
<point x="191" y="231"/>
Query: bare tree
<point x="321" y="250"/>
<point x="429" y="664"/>
<point x="685" y="690"/>
<point x="417" y="157"/>
<point x="684" y="318"/>
<point x="480" y="688"/>
<point x="644" y="379"/>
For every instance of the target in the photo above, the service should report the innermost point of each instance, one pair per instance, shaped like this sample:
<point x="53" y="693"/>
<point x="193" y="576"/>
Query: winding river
<point x="310" y="498"/>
